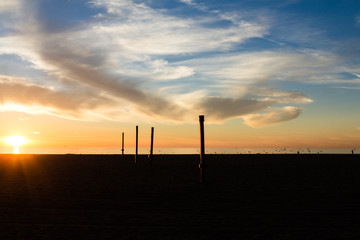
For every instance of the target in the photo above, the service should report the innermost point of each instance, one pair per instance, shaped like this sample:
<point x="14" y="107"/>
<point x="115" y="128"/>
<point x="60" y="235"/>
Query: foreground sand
<point x="244" y="197"/>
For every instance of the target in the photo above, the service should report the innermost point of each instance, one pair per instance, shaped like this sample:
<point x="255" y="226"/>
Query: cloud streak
<point x="273" y="117"/>
<point x="129" y="54"/>
<point x="10" y="5"/>
<point x="63" y="55"/>
<point x="143" y="30"/>
<point x="192" y="3"/>
<point x="73" y="68"/>
<point x="219" y="109"/>
<point x="63" y="103"/>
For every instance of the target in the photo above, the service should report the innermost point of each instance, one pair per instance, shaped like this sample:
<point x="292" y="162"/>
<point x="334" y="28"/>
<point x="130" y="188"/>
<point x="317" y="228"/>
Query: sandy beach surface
<point x="309" y="196"/>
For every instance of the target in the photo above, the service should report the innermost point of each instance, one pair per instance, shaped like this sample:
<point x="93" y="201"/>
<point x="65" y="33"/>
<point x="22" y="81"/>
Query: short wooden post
<point x="151" y="146"/>
<point x="137" y="141"/>
<point x="122" y="146"/>
<point x="202" y="149"/>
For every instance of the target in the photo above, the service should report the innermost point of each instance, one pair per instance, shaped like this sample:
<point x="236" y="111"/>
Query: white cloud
<point x="189" y="2"/>
<point x="10" y="5"/>
<point x="279" y="96"/>
<point x="156" y="70"/>
<point x="115" y="59"/>
<point x="192" y="3"/>
<point x="10" y="12"/>
<point x="135" y="39"/>
<point x="250" y="67"/>
<point x="173" y="36"/>
<point x="143" y="30"/>
<point x="264" y="119"/>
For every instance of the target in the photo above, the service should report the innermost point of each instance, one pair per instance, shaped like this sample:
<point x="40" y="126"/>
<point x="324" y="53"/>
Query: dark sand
<point x="244" y="197"/>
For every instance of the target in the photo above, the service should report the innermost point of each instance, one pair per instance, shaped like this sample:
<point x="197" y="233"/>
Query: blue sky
<point x="261" y="62"/>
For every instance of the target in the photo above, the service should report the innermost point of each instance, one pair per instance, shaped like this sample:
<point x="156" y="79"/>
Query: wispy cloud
<point x="196" y="5"/>
<point x="130" y="55"/>
<point x="9" y="5"/>
<point x="57" y="102"/>
<point x="272" y="117"/>
<point x="280" y="65"/>
<point x="65" y="57"/>
<point x="219" y="109"/>
<point x="148" y="31"/>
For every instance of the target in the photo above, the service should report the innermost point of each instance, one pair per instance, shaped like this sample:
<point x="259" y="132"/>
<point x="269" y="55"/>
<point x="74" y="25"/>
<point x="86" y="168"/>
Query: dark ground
<point x="244" y="197"/>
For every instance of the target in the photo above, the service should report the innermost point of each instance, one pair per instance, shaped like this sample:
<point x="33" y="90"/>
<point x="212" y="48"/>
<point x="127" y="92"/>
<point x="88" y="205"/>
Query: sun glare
<point x="16" y="142"/>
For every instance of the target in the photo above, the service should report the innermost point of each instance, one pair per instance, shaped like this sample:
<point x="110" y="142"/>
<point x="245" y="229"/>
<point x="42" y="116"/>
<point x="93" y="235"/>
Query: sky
<point x="265" y="73"/>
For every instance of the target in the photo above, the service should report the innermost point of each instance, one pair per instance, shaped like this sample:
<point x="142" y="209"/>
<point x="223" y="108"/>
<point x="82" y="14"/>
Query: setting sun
<point x="16" y="142"/>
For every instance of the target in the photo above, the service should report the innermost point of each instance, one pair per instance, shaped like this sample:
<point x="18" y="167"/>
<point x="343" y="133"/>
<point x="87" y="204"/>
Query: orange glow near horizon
<point x="16" y="142"/>
<point x="68" y="133"/>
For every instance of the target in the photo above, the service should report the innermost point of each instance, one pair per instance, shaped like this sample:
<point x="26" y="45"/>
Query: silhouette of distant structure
<point x="122" y="146"/>
<point x="202" y="149"/>
<point x="136" y="145"/>
<point x="151" y="146"/>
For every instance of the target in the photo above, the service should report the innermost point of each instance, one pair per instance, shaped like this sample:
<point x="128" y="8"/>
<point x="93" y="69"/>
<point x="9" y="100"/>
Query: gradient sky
<point x="265" y="73"/>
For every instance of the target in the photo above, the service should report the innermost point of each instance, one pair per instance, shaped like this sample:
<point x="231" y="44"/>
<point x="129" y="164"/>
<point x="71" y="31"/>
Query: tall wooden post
<point x="122" y="146"/>
<point x="137" y="141"/>
<point x="151" y="146"/>
<point x="202" y="149"/>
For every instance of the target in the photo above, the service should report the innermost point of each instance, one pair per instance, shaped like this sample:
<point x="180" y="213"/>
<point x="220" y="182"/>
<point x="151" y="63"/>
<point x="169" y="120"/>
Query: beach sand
<point x="288" y="196"/>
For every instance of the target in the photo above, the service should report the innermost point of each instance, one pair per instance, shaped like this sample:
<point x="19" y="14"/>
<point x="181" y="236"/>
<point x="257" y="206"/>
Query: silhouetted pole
<point x="151" y="145"/>
<point x="122" y="146"/>
<point x="202" y="149"/>
<point x="137" y="141"/>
